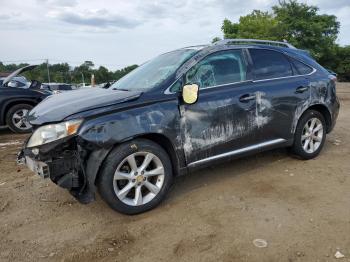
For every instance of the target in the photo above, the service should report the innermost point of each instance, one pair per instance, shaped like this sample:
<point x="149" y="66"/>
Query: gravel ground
<point x="300" y="208"/>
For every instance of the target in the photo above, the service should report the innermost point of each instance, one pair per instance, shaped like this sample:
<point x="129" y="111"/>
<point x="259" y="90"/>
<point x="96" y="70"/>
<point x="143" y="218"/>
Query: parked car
<point x="17" y="97"/>
<point x="186" y="109"/>
<point x="57" y="87"/>
<point x="17" y="81"/>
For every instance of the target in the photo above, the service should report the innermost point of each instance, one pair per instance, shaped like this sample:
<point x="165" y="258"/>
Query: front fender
<point x="98" y="136"/>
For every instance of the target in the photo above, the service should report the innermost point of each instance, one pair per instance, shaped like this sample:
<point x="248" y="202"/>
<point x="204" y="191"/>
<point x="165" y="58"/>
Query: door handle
<point x="301" y="89"/>
<point x="246" y="98"/>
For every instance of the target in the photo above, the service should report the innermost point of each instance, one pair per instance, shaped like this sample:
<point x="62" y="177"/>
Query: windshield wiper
<point x="121" y="89"/>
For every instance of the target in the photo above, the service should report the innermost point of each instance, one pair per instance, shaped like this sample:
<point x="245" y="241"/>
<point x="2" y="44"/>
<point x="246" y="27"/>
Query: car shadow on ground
<point x="5" y="131"/>
<point x="218" y="173"/>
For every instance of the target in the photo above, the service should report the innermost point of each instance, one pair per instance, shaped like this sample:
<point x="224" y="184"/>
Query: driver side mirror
<point x="190" y="93"/>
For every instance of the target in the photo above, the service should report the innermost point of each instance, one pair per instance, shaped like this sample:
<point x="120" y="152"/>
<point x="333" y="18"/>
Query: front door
<point x="224" y="117"/>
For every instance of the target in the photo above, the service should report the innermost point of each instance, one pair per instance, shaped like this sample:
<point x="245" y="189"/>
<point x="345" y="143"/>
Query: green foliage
<point x="301" y="25"/>
<point x="63" y="73"/>
<point x="257" y="25"/>
<point x="215" y="39"/>
<point x="342" y="63"/>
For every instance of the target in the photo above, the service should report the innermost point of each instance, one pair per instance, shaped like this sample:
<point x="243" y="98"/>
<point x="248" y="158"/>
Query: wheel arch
<point x="325" y="113"/>
<point x="157" y="138"/>
<point x="12" y="103"/>
<point x="167" y="145"/>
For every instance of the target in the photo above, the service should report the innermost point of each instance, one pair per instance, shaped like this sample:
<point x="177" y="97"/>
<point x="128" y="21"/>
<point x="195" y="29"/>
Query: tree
<point x="122" y="72"/>
<point x="215" y="39"/>
<point x="257" y="25"/>
<point x="298" y="23"/>
<point x="301" y="25"/>
<point x="342" y="63"/>
<point x="63" y="73"/>
<point x="102" y="75"/>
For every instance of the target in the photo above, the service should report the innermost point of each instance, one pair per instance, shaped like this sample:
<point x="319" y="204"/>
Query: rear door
<point x="280" y="91"/>
<point x="223" y="118"/>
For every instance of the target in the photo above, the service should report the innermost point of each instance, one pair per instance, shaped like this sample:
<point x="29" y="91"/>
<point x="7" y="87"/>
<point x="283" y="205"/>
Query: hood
<point x="17" y="72"/>
<point x="57" y="107"/>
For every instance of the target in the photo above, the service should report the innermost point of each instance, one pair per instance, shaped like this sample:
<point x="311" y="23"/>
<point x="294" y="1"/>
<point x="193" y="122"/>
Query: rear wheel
<point x="16" y="118"/>
<point x="136" y="177"/>
<point x="310" y="135"/>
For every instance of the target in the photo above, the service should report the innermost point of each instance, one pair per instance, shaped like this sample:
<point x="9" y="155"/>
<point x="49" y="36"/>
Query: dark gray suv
<point x="183" y="110"/>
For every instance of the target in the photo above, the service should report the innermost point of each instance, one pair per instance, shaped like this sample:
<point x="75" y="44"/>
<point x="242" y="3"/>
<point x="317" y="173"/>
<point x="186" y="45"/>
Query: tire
<point x="302" y="148"/>
<point x="109" y="184"/>
<point x="15" y="118"/>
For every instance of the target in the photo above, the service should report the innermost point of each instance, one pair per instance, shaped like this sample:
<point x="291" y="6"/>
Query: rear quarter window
<point x="268" y="64"/>
<point x="301" y="68"/>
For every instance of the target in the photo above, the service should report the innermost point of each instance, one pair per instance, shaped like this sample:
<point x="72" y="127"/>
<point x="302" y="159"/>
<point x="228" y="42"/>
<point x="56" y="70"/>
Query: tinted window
<point x="176" y="86"/>
<point x="301" y="68"/>
<point x="65" y="87"/>
<point x="218" y="69"/>
<point x="270" y="64"/>
<point x="19" y="84"/>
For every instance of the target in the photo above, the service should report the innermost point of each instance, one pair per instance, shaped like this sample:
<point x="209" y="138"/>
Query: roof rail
<point x="254" y="41"/>
<point x="194" y="46"/>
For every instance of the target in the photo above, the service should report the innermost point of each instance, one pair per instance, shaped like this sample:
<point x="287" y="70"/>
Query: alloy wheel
<point x="19" y="119"/>
<point x="138" y="178"/>
<point x="312" y="135"/>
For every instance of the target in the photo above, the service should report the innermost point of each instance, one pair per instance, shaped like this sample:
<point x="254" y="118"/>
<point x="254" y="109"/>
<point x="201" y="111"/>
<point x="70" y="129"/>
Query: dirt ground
<point x="301" y="209"/>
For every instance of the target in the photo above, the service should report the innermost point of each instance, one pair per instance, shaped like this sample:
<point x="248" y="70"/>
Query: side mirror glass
<point x="190" y="93"/>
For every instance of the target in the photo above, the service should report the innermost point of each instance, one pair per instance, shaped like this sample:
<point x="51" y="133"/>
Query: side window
<point x="301" y="68"/>
<point x="218" y="69"/>
<point x="176" y="86"/>
<point x="19" y="84"/>
<point x="270" y="64"/>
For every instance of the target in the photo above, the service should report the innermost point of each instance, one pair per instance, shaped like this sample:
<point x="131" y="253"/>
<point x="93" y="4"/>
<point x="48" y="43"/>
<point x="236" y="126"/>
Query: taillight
<point x="333" y="78"/>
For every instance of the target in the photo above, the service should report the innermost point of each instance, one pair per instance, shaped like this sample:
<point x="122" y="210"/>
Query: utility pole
<point x="82" y="75"/>
<point x="48" y="70"/>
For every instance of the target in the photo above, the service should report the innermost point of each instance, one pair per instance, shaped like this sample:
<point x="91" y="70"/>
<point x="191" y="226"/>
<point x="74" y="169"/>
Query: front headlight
<point x="49" y="133"/>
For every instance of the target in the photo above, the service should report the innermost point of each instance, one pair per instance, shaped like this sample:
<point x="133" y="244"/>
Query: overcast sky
<point x="117" y="33"/>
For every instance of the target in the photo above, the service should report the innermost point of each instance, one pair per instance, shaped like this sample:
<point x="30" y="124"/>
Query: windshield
<point x="154" y="72"/>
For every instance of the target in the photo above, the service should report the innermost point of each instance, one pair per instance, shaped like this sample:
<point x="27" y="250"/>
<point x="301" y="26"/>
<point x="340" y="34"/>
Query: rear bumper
<point x="335" y="113"/>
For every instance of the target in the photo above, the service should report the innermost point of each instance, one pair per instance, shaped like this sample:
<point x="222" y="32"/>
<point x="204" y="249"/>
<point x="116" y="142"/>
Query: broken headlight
<point x="52" y="132"/>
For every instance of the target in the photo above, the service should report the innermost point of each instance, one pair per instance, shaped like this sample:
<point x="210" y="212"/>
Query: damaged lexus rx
<point x="184" y="110"/>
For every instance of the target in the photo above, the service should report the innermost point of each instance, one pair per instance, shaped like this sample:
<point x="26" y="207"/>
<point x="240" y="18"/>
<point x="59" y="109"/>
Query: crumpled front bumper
<point x="38" y="167"/>
<point x="61" y="162"/>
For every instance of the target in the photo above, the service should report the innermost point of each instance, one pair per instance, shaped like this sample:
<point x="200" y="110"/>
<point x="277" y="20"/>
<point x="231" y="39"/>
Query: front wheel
<point x="135" y="177"/>
<point x="16" y="118"/>
<point x="310" y="135"/>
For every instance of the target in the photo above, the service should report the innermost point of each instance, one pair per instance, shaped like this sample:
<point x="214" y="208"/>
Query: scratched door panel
<point x="218" y="122"/>
<point x="277" y="105"/>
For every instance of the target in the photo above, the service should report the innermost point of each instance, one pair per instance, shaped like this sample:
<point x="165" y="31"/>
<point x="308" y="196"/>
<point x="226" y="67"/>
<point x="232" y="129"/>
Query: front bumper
<point x="38" y="167"/>
<point x="61" y="163"/>
<point x="63" y="171"/>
